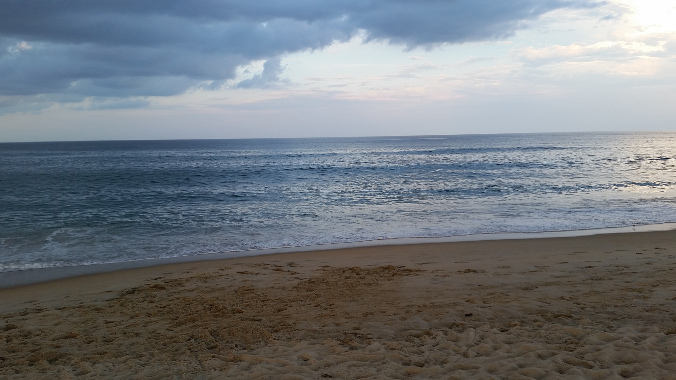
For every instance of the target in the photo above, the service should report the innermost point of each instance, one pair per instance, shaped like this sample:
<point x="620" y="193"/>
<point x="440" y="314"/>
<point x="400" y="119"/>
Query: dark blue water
<point x="79" y="203"/>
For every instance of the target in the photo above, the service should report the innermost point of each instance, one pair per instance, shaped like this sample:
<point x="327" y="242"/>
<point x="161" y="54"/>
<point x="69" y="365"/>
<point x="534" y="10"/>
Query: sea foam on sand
<point x="599" y="307"/>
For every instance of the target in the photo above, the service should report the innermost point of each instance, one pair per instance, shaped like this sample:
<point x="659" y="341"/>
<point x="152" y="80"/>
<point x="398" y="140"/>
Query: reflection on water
<point x="88" y="202"/>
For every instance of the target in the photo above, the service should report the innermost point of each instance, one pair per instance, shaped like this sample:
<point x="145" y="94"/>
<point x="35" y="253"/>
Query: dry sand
<point x="598" y="307"/>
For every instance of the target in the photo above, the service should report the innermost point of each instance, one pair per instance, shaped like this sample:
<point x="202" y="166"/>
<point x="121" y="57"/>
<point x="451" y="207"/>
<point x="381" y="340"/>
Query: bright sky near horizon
<point x="166" y="69"/>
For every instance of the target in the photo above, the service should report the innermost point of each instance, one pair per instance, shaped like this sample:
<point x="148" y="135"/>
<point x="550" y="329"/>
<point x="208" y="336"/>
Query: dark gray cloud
<point x="120" y="48"/>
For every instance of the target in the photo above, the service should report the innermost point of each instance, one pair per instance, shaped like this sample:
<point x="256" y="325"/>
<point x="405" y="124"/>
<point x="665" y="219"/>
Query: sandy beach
<point x="597" y="307"/>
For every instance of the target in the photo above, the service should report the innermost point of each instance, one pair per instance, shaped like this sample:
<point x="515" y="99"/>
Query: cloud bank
<point x="75" y="49"/>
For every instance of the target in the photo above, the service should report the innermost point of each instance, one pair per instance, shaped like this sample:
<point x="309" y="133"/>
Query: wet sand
<point x="598" y="307"/>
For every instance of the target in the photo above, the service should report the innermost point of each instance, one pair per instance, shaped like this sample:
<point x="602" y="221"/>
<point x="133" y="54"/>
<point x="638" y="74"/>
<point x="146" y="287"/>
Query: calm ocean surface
<point x="67" y="204"/>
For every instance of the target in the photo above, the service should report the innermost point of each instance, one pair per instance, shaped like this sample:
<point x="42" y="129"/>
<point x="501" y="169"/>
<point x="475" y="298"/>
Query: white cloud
<point x="19" y="47"/>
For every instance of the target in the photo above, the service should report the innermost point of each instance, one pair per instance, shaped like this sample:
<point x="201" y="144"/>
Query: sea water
<point x="77" y="203"/>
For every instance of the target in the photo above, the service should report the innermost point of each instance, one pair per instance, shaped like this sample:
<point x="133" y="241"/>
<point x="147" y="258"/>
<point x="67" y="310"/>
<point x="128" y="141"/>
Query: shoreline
<point x="26" y="277"/>
<point x="595" y="306"/>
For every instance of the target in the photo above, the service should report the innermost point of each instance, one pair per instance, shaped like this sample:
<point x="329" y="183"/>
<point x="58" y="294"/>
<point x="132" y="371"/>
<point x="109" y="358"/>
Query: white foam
<point x="31" y="276"/>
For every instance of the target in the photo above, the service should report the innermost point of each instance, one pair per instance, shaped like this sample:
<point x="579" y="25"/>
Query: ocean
<point x="77" y="203"/>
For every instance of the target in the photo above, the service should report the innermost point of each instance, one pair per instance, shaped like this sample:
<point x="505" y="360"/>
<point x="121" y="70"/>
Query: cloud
<point x="107" y="103"/>
<point x="121" y="48"/>
<point x="270" y="75"/>
<point x="603" y="61"/>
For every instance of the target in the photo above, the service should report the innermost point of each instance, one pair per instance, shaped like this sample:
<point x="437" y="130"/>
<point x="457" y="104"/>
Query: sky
<point x="177" y="69"/>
